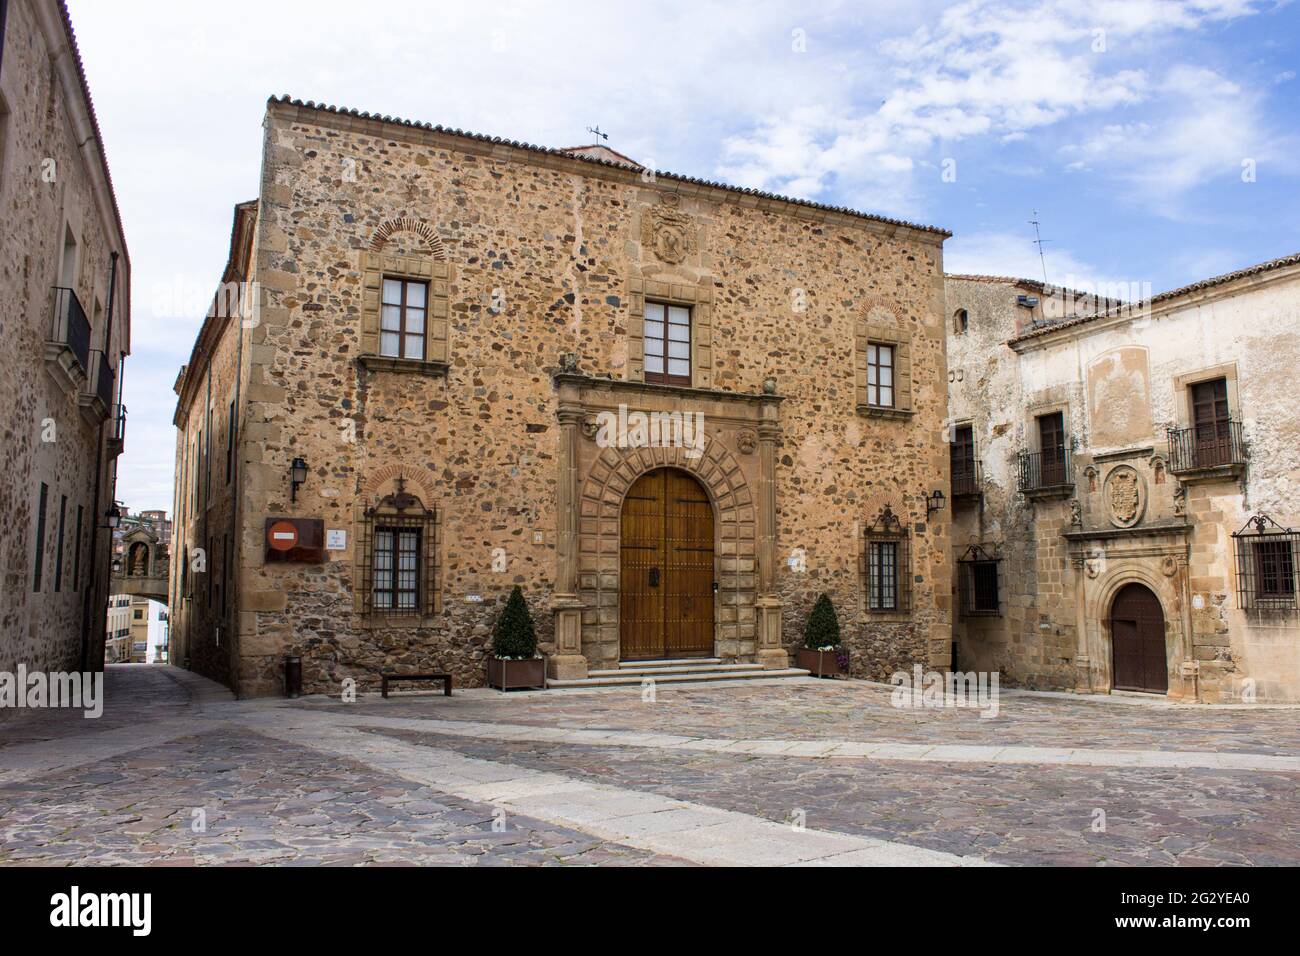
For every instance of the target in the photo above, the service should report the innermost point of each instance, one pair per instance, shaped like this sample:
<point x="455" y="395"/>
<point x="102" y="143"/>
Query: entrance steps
<point x="689" y="670"/>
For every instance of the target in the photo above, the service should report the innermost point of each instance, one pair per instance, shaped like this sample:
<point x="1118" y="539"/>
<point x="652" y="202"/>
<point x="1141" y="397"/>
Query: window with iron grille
<point x="888" y="565"/>
<point x="398" y="557"/>
<point x="978" y="583"/>
<point x="1267" y="563"/>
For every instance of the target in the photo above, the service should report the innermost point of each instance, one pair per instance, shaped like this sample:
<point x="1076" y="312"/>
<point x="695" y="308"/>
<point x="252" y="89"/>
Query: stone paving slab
<point x="809" y="709"/>
<point x="1012" y="814"/>
<point x="823" y="749"/>
<point x="597" y="809"/>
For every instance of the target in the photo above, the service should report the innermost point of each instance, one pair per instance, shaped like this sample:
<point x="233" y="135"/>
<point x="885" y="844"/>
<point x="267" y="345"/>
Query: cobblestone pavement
<point x="322" y="782"/>
<point x="1012" y="815"/>
<point x="854" y="710"/>
<point x="263" y="801"/>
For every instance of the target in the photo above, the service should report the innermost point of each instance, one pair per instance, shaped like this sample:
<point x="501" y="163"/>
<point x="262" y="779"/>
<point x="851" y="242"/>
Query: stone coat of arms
<point x="1125" y="496"/>
<point x="669" y="234"/>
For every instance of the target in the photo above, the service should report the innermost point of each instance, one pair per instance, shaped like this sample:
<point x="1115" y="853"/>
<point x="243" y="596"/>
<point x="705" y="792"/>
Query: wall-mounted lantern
<point x="114" y="518"/>
<point x="933" y="502"/>
<point x="297" y="476"/>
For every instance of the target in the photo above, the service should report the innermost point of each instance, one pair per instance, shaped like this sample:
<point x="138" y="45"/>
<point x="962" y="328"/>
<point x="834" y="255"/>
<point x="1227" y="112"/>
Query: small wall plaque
<point x="336" y="539"/>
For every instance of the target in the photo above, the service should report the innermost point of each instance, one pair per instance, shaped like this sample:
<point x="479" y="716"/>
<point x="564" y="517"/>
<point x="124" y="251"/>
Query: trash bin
<point x="292" y="675"/>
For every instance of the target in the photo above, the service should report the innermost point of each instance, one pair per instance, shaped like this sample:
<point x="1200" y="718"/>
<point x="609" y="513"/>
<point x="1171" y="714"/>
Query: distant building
<point x="65" y="283"/>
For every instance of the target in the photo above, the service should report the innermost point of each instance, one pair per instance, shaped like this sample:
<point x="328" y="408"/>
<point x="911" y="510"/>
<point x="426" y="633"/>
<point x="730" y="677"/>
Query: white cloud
<point x="992" y="68"/>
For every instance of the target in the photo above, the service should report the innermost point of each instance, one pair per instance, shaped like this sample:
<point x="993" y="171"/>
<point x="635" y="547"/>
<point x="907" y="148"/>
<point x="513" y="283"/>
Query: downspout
<point x="87" y="602"/>
<point x="4" y="15"/>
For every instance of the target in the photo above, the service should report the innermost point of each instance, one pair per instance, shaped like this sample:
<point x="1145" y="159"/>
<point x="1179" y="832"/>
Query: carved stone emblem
<point x="746" y="442"/>
<point x="590" y="427"/>
<point x="669" y="234"/>
<point x="1125" y="496"/>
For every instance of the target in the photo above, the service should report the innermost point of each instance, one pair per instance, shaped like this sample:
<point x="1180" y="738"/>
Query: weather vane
<point x="595" y="130"/>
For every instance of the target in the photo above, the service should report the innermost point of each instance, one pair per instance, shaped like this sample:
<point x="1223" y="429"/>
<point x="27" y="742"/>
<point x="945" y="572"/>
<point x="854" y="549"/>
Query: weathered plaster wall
<point x="1122" y="384"/>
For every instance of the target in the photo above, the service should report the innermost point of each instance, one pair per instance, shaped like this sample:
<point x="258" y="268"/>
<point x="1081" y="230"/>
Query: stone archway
<point x="667" y="556"/>
<point x="608" y="482"/>
<point x="1139" y="656"/>
<point x="1100" y="598"/>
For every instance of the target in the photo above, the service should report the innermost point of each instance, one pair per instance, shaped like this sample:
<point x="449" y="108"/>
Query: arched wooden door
<point x="665" y="593"/>
<point x="1137" y="638"/>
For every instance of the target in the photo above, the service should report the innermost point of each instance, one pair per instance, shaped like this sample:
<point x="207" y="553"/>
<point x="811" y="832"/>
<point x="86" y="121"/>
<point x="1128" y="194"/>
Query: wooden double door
<point x="1137" y="636"/>
<point x="666" y="571"/>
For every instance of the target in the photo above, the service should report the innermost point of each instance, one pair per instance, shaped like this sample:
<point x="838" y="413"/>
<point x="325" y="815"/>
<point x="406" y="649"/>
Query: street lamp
<point x="114" y="517"/>
<point x="297" y="476"/>
<point x="933" y="502"/>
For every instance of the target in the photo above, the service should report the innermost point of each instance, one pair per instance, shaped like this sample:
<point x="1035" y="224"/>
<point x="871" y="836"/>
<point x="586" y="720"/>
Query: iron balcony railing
<point x="119" y="425"/>
<point x="966" y="478"/>
<point x="102" y="379"/>
<point x="71" y="327"/>
<point x="1045" y="469"/>
<point x="1213" y="445"/>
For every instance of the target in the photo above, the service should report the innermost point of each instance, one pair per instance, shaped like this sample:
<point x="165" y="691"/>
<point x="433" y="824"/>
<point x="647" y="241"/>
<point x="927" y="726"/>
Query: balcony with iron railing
<point x="67" y="346"/>
<point x="1046" y="474"/>
<point x="97" y="399"/>
<point x="967" y="480"/>
<point x="1207" y="451"/>
<point x="117" y="437"/>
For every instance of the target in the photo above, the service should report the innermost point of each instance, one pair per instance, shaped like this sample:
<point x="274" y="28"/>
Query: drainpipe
<point x="87" y="604"/>
<point x="4" y="15"/>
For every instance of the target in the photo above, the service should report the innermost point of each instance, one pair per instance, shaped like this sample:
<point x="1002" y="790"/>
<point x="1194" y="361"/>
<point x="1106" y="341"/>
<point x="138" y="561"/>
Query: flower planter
<point x="511" y="675"/>
<point x="823" y="663"/>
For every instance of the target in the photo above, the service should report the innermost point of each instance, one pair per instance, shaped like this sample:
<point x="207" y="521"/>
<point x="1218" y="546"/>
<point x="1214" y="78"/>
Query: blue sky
<point x="1127" y="125"/>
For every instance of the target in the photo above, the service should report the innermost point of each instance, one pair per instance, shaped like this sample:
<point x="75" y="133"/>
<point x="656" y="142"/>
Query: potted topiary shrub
<point x="822" y="653"/>
<point x="515" y="661"/>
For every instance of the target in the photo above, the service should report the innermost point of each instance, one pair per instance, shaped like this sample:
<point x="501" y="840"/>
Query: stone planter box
<point x="822" y="663"/>
<point x="511" y="675"/>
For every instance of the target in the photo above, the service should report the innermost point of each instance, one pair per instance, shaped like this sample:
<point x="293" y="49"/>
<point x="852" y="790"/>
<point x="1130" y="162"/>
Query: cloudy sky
<point x="1157" y="140"/>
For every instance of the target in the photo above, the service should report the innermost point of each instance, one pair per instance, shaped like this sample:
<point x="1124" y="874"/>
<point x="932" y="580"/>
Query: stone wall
<point x="52" y="185"/>
<point x="546" y="261"/>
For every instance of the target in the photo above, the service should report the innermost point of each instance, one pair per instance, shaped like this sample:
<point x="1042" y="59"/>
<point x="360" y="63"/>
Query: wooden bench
<point x="385" y="678"/>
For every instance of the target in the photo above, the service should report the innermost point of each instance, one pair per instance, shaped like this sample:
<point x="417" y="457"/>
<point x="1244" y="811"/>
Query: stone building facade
<point x="1106" y="467"/>
<point x="455" y="338"/>
<point x="65" y="282"/>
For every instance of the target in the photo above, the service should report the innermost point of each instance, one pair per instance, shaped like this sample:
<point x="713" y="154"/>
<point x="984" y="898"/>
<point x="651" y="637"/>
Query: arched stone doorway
<point x="666" y="568"/>
<point x="1137" y="630"/>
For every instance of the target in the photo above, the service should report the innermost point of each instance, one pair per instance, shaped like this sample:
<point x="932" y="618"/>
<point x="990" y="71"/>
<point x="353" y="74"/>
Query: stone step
<point x="679" y="667"/>
<point x="671" y="662"/>
<point x="711" y="674"/>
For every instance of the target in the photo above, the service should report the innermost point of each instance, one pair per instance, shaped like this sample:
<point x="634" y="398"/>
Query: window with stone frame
<point x="887" y="561"/>
<point x="403" y="317"/>
<point x="405" y="313"/>
<point x="398" y="557"/>
<point x="883" y="364"/>
<point x="667" y="343"/>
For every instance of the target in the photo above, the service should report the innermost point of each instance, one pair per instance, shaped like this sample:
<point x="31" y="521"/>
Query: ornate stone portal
<point x="595" y="475"/>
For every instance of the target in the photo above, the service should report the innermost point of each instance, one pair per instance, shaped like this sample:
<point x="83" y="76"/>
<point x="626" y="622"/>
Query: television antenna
<point x="1038" y="241"/>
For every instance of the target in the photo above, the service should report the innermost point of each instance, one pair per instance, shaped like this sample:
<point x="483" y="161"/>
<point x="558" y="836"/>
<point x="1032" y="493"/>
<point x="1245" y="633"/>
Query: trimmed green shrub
<point x="823" y="627"/>
<point x="514" y="636"/>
